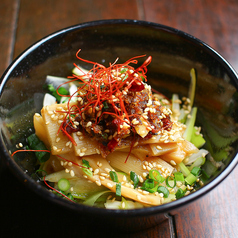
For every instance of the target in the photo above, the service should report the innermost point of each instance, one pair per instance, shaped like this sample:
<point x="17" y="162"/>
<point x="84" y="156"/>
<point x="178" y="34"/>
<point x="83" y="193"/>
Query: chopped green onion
<point x="180" y="193"/>
<point x="179" y="176"/>
<point x="195" y="171"/>
<point x="86" y="163"/>
<point x="118" y="189"/>
<point x="192" y="86"/>
<point x="187" y="135"/>
<point x="184" y="169"/>
<point x="155" y="175"/>
<point x="190" y="179"/>
<point x="63" y="184"/>
<point x="105" y="105"/>
<point x="113" y="176"/>
<point x="164" y="190"/>
<point x="123" y="70"/>
<point x="105" y="136"/>
<point x="204" y="176"/>
<point x="149" y="183"/>
<point x="197" y="138"/>
<point x="86" y="167"/>
<point x="61" y="91"/>
<point x="209" y="168"/>
<point x="134" y="178"/>
<point x="168" y="180"/>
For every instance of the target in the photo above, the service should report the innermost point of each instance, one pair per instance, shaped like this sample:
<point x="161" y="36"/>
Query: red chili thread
<point x="56" y="190"/>
<point x="30" y="151"/>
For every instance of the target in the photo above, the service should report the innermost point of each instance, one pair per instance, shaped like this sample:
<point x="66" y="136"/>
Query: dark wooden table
<point x="22" y="22"/>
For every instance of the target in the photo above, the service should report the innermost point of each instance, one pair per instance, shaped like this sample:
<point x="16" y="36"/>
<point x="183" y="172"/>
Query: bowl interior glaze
<point x="173" y="53"/>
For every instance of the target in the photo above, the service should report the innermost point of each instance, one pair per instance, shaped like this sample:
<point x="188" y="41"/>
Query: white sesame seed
<point x="67" y="171"/>
<point x="105" y="175"/>
<point x="138" y="197"/>
<point x="144" y="175"/>
<point x="102" y="177"/>
<point x="172" y="162"/>
<point x="107" y="170"/>
<point x="55" y="148"/>
<point x="89" y="124"/>
<point x="72" y="173"/>
<point x="109" y="185"/>
<point x="98" y="182"/>
<point x="84" y="149"/>
<point x="96" y="171"/>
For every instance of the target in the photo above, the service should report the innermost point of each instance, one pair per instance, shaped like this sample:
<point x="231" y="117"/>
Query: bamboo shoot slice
<point x="162" y="148"/>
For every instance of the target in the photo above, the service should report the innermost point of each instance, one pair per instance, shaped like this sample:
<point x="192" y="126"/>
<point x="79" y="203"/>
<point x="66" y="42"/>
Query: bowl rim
<point x="43" y="192"/>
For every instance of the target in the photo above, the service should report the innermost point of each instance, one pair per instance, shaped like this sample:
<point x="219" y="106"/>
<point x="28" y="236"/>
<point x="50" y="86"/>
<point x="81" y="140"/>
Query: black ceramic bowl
<point x="174" y="53"/>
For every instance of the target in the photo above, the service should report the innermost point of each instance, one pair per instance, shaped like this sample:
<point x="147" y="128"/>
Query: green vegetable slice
<point x="195" y="171"/>
<point x="92" y="199"/>
<point x="113" y="176"/>
<point x="192" y="86"/>
<point x="179" y="176"/>
<point x="180" y="193"/>
<point x="190" y="179"/>
<point x="190" y="124"/>
<point x="185" y="171"/>
<point x="168" y="181"/>
<point x="63" y="184"/>
<point x="118" y="189"/>
<point x="164" y="190"/>
<point x="86" y="167"/>
<point x="134" y="178"/>
<point x="155" y="175"/>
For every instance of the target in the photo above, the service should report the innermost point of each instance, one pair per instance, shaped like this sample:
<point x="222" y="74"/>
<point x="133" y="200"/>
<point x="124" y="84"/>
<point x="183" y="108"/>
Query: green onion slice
<point x="86" y="163"/>
<point x="118" y="189"/>
<point x="134" y="178"/>
<point x="148" y="183"/>
<point x="169" y="179"/>
<point x="164" y="190"/>
<point x="195" y="171"/>
<point x="113" y="176"/>
<point x="86" y="167"/>
<point x="180" y="193"/>
<point x="179" y="176"/>
<point x="63" y="184"/>
<point x="155" y="175"/>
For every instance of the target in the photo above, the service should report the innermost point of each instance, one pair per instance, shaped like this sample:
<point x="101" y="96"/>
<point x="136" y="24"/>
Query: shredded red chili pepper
<point x="110" y="99"/>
